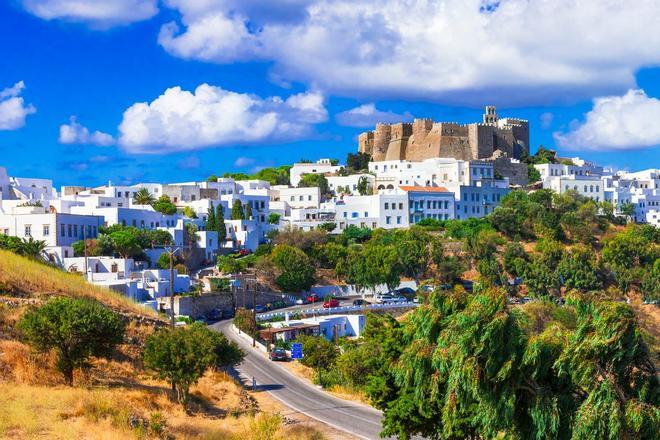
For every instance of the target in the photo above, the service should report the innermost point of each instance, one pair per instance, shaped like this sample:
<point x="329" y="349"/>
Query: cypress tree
<point x="237" y="211"/>
<point x="220" y="224"/>
<point x="211" y="223"/>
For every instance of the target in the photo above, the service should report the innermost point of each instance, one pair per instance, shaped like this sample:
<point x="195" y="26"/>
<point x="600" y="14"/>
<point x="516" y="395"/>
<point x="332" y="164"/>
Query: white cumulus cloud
<point x="13" y="109"/>
<point x="180" y="120"/>
<point x="461" y="51"/>
<point x="616" y="123"/>
<point x="75" y="133"/>
<point x="368" y="115"/>
<point x="97" y="13"/>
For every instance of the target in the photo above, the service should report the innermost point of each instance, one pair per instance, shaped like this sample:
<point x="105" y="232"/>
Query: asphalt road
<point x="353" y="418"/>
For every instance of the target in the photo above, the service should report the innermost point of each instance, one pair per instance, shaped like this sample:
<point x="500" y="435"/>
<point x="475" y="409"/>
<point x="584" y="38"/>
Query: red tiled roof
<point x="431" y="189"/>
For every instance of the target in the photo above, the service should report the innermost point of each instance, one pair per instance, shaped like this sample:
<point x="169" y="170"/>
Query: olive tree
<point x="75" y="328"/>
<point x="182" y="355"/>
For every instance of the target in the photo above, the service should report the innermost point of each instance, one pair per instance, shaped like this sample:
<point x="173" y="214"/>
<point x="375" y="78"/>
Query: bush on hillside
<point x="76" y="328"/>
<point x="182" y="355"/>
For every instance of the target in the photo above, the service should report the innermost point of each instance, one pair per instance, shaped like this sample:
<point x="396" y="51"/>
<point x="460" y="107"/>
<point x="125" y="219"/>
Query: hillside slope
<point x="22" y="277"/>
<point x="116" y="397"/>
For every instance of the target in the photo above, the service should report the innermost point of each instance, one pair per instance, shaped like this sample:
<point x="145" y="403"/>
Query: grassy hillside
<point x="115" y="397"/>
<point x="22" y="276"/>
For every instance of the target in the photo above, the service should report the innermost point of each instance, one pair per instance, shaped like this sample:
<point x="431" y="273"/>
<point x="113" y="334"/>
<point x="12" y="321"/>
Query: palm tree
<point x="32" y="248"/>
<point x="143" y="197"/>
<point x="627" y="209"/>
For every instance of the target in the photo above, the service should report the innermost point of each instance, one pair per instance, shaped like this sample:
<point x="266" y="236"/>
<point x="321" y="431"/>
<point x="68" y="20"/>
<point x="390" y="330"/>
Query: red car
<point x="331" y="303"/>
<point x="313" y="298"/>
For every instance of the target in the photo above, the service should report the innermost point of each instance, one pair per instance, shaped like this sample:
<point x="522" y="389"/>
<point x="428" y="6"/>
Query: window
<point x="75" y="230"/>
<point x="354" y="215"/>
<point x="69" y="230"/>
<point x="28" y="230"/>
<point x="398" y="219"/>
<point x="293" y="198"/>
<point x="387" y="205"/>
<point x="366" y="214"/>
<point x="63" y="230"/>
<point x="400" y="205"/>
<point x="388" y="220"/>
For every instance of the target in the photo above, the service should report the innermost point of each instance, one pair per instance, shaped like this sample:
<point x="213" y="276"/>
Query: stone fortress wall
<point x="424" y="139"/>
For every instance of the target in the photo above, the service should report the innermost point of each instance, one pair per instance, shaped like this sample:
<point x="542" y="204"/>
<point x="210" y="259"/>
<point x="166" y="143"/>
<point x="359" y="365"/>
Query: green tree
<point x="212" y="178"/>
<point x="273" y="218"/>
<point x="143" y="197"/>
<point x="358" y="161"/>
<point x="579" y="269"/>
<point x="182" y="355"/>
<point x="468" y="366"/>
<point x="319" y="354"/>
<point x="31" y="248"/>
<point x="127" y="243"/>
<point x="380" y="265"/>
<point x="164" y="205"/>
<point x="75" y="328"/>
<point x="414" y="252"/>
<point x="533" y="175"/>
<point x="248" y="211"/>
<point x="189" y="212"/>
<point x="295" y="270"/>
<point x="228" y="265"/>
<point x="221" y="227"/>
<point x="540" y="279"/>
<point x="628" y="210"/>
<point x="244" y="321"/>
<point x="314" y="180"/>
<point x="515" y="259"/>
<point x="237" y="211"/>
<point x="363" y="186"/>
<point x="211" y="222"/>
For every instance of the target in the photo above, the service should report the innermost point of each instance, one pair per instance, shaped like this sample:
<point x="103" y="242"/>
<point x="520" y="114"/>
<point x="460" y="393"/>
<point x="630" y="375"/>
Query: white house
<point x="383" y="210"/>
<point x="430" y="202"/>
<point x="59" y="231"/>
<point x="349" y="182"/>
<point x="322" y="166"/>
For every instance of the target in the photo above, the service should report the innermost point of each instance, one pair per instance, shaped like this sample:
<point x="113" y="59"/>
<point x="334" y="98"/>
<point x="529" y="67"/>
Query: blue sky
<point x="289" y="75"/>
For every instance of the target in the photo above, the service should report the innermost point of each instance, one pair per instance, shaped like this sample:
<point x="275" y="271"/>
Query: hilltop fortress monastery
<point x="424" y="139"/>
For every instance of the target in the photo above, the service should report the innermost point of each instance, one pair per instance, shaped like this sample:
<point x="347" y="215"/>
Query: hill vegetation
<point x="57" y="330"/>
<point x="551" y="340"/>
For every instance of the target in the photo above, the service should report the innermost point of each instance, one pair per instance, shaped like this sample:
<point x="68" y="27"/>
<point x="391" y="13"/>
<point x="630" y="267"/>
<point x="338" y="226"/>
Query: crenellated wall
<point x="424" y="139"/>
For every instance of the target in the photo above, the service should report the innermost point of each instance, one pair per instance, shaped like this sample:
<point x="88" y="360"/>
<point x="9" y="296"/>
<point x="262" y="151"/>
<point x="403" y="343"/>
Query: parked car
<point x="383" y="298"/>
<point x="228" y="313"/>
<point x="331" y="303"/>
<point x="259" y="308"/>
<point x="406" y="291"/>
<point x="361" y="302"/>
<point x="300" y="301"/>
<point x="278" y="354"/>
<point x="214" y="315"/>
<point x="313" y="298"/>
<point x="397" y="299"/>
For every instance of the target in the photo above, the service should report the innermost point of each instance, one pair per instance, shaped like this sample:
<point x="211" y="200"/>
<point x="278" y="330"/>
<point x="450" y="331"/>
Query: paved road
<point x="356" y="419"/>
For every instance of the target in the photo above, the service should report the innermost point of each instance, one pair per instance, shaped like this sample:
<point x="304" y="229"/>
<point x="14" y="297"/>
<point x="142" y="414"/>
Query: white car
<point x="383" y="298"/>
<point x="300" y="301"/>
<point x="398" y="299"/>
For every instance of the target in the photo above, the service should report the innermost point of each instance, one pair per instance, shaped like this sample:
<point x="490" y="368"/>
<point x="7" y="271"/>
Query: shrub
<point x="182" y="355"/>
<point x="296" y="270"/>
<point x="76" y="328"/>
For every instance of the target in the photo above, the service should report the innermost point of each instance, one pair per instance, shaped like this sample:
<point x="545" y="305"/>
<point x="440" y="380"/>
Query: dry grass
<point x="22" y="275"/>
<point x="141" y="411"/>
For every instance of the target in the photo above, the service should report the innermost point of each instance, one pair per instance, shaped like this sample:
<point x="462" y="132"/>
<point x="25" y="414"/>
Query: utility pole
<point x="254" y="310"/>
<point x="85" y="248"/>
<point x="171" y="252"/>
